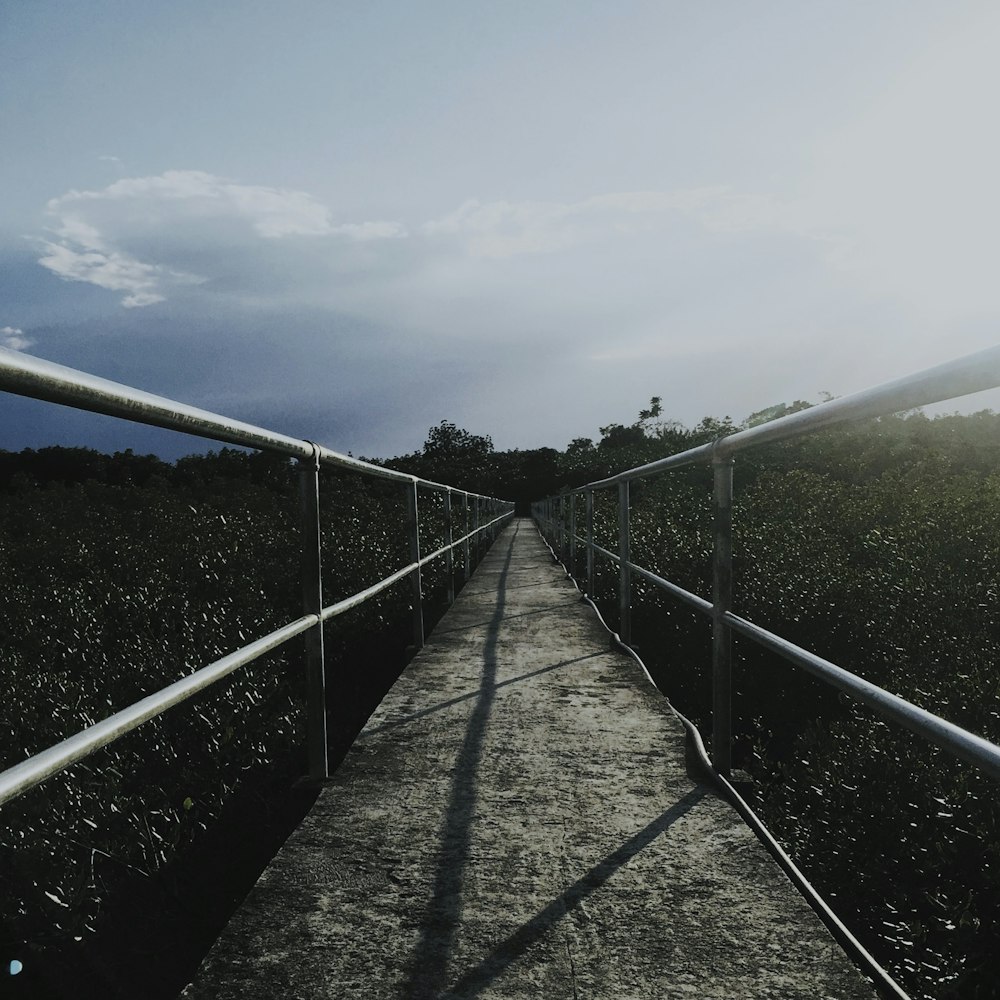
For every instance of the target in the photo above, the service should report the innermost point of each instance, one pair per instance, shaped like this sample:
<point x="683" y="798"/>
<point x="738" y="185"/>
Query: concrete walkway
<point x="515" y="821"/>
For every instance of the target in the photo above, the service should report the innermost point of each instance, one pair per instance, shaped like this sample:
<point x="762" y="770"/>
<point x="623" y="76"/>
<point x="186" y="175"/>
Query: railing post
<point x="312" y="601"/>
<point x="475" y="525"/>
<point x="722" y="602"/>
<point x="465" y="545"/>
<point x="572" y="535"/>
<point x="561" y="544"/>
<point x="624" y="573"/>
<point x="590" y="544"/>
<point x="413" y="518"/>
<point x="449" y="559"/>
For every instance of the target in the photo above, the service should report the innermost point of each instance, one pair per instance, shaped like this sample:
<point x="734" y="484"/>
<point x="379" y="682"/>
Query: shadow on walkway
<point x="429" y="964"/>
<point x="554" y="609"/>
<point x="473" y="982"/>
<point x="392" y="724"/>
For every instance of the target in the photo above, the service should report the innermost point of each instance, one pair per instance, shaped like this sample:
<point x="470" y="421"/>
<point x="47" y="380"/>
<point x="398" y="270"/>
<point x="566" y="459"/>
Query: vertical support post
<point x="475" y="525"/>
<point x="562" y="528"/>
<point x="312" y="601"/>
<point x="413" y="519"/>
<point x="572" y="535"/>
<point x="722" y="601"/>
<point x="465" y="545"/>
<point x="590" y="544"/>
<point x="624" y="573"/>
<point x="449" y="559"/>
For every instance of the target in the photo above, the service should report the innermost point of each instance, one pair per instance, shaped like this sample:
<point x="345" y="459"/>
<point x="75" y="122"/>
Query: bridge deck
<point x="516" y="821"/>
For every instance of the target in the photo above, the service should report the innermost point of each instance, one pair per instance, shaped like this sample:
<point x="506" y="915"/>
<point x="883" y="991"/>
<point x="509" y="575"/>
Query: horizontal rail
<point x="36" y="769"/>
<point x="956" y="740"/>
<point x="696" y="602"/>
<point x="44" y="380"/>
<point x="37" y="378"/>
<point x="21" y="777"/>
<point x="340" y="607"/>
<point x="946" y="735"/>
<point x="972" y="373"/>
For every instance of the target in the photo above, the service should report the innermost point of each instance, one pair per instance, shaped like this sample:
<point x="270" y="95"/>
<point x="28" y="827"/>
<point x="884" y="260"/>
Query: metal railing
<point x="557" y="517"/>
<point x="29" y="376"/>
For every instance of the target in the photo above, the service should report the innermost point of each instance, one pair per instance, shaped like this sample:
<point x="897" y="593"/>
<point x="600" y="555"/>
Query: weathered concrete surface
<point x="515" y="821"/>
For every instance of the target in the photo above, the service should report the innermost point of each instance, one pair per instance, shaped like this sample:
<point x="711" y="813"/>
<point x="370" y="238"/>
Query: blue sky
<point x="351" y="221"/>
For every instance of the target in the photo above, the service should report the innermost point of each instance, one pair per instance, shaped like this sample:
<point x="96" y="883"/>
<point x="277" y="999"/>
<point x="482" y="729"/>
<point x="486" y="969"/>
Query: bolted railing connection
<point x="33" y="377"/>
<point x="955" y="378"/>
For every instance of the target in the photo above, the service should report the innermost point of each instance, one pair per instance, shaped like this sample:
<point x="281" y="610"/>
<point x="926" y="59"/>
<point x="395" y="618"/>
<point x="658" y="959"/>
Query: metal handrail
<point x="969" y="374"/>
<point x="363" y="595"/>
<point x="34" y="770"/>
<point x="34" y="377"/>
<point x="26" y="375"/>
<point x="972" y="373"/>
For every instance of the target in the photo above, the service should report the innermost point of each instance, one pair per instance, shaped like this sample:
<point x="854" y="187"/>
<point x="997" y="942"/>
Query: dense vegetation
<point x="875" y="546"/>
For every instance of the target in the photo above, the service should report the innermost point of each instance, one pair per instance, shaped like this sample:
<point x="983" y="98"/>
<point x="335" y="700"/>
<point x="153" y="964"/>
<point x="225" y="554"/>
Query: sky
<point x="350" y="221"/>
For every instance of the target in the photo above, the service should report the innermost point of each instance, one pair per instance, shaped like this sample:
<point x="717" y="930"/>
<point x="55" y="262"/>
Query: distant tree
<point x="710" y="428"/>
<point x="74" y="466"/>
<point x="620" y="436"/>
<point x="524" y="476"/>
<point x="654" y="411"/>
<point x="774" y="412"/>
<point x="453" y="456"/>
<point x="219" y="469"/>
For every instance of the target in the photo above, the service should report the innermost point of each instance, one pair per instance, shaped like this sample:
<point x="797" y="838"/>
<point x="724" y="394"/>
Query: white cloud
<point x="109" y="237"/>
<point x="363" y="231"/>
<point x="272" y="212"/>
<point x="14" y="338"/>
<point x="506" y="229"/>
<point x="567" y="271"/>
<point x="83" y="256"/>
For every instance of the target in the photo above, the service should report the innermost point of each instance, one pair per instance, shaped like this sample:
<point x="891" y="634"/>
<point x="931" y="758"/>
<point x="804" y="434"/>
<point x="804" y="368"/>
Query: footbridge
<point x="516" y="820"/>
<point x="524" y="814"/>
